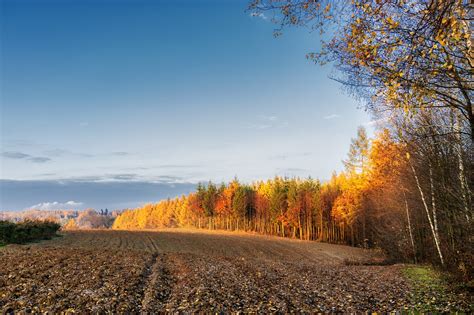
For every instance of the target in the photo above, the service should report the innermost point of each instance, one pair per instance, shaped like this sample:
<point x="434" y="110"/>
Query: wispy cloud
<point x="39" y="159"/>
<point x="47" y="174"/>
<point x="23" y="156"/>
<point x="66" y="153"/>
<point x="121" y="153"/>
<point x="259" y="15"/>
<point x="332" y="116"/>
<point x="83" y="124"/>
<point x="125" y="177"/>
<point x="170" y="179"/>
<point x="377" y="122"/>
<point x="43" y="194"/>
<point x="55" y="205"/>
<point x="266" y="122"/>
<point x="15" y="155"/>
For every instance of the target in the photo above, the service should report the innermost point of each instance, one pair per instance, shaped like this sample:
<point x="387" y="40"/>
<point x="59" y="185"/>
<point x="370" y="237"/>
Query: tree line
<point x="409" y="190"/>
<point x="383" y="199"/>
<point x="411" y="63"/>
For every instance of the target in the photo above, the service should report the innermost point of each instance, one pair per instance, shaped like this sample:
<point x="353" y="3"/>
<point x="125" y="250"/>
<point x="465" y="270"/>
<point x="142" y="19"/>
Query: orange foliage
<point x="295" y="207"/>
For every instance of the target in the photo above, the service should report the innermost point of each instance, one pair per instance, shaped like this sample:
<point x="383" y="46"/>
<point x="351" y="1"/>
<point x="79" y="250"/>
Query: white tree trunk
<point x="465" y="192"/>
<point x="433" y="202"/>
<point x="435" y="236"/>
<point x="409" y="228"/>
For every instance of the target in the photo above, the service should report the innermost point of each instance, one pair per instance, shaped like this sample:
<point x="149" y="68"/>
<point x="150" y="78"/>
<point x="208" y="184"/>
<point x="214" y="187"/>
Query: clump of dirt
<point x="56" y="279"/>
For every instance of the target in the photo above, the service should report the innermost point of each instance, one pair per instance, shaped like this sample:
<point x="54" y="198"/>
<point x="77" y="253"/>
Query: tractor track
<point x="158" y="286"/>
<point x="184" y="271"/>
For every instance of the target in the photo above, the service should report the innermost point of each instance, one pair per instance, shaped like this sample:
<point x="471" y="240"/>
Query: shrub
<point x="27" y="231"/>
<point x="7" y="230"/>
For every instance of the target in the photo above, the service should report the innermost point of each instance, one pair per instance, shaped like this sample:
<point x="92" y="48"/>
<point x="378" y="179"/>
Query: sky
<point x="100" y="98"/>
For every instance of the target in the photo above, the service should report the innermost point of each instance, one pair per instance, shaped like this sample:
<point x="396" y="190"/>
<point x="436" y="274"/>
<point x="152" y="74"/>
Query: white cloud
<point x="377" y="122"/>
<point x="19" y="155"/>
<point x="15" y="155"/>
<point x="259" y="14"/>
<point x="332" y="116"/>
<point x="55" y="205"/>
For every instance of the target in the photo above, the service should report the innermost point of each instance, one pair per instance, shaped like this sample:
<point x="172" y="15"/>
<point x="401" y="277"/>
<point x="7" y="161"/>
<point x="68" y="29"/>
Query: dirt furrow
<point x="158" y="286"/>
<point x="145" y="244"/>
<point x="189" y="271"/>
<point x="153" y="244"/>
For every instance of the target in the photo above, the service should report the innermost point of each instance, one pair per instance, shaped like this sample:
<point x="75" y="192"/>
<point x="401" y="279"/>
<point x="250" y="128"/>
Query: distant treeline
<point x="59" y="216"/>
<point x="91" y="219"/>
<point x="27" y="231"/>
<point x="67" y="219"/>
<point x="384" y="198"/>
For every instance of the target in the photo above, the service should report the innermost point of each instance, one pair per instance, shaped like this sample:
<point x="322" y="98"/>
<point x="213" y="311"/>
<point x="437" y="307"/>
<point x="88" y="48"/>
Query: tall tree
<point x="397" y="54"/>
<point x="358" y="152"/>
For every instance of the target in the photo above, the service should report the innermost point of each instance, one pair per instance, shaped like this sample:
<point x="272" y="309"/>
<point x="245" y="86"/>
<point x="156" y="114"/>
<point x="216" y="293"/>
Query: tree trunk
<point x="409" y="228"/>
<point x="433" y="202"/>
<point x="465" y="192"/>
<point x="435" y="236"/>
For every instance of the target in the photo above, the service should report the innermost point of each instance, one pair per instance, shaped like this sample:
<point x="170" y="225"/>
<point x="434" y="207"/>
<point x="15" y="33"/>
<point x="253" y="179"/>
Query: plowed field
<point x="180" y="270"/>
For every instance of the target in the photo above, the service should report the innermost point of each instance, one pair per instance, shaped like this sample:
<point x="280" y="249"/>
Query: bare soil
<point x="189" y="270"/>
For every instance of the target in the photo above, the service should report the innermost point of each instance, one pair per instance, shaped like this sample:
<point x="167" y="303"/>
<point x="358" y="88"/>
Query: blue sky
<point x="160" y="92"/>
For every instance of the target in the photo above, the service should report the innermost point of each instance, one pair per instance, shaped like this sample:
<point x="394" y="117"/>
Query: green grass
<point x="430" y="290"/>
<point x="424" y="276"/>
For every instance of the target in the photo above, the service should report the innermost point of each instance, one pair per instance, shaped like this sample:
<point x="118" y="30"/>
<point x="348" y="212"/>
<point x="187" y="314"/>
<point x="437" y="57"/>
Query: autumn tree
<point x="391" y="217"/>
<point x="70" y="225"/>
<point x="404" y="54"/>
<point x="410" y="208"/>
<point x="279" y="204"/>
<point x="357" y="157"/>
<point x="411" y="62"/>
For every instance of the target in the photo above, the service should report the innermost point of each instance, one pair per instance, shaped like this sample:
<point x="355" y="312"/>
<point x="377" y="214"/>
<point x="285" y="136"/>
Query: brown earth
<point x="189" y="270"/>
